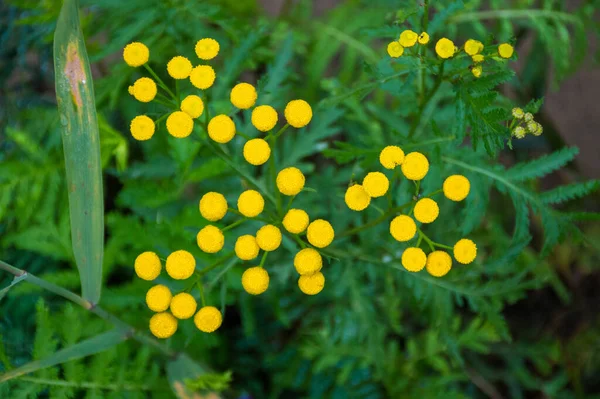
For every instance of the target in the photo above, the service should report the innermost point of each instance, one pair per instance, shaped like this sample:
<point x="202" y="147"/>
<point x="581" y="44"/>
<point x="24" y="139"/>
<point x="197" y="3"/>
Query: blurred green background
<point x="524" y="323"/>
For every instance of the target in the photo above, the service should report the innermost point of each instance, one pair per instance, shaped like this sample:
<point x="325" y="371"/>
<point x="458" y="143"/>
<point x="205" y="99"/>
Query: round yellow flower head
<point x="207" y="48"/>
<point x="518" y="113"/>
<point x="142" y="128"/>
<point x="221" y="129"/>
<point x="264" y="118"/>
<point x="210" y="239"/>
<point x="528" y="117"/>
<point x="357" y="198"/>
<point x="183" y="306"/>
<point x="308" y="261"/>
<point x="439" y="263"/>
<point x="158" y="298"/>
<point x="403" y="228"/>
<point x="180" y="124"/>
<point x="395" y="49"/>
<point x="414" y="259"/>
<point x="408" y="38"/>
<point x="144" y="90"/>
<point x="163" y="325"/>
<point x="505" y="50"/>
<point x="257" y="151"/>
<point x="147" y="266"/>
<point x="268" y="238"/>
<point x="208" y="319"/>
<point x="179" y="67"/>
<point x="473" y="47"/>
<point x="181" y="265"/>
<point x="312" y="284"/>
<point x="415" y="166"/>
<point x="203" y="76"/>
<point x="423" y="38"/>
<point x="477" y="71"/>
<point x="539" y="129"/>
<point x="320" y="233"/>
<point x="243" y="96"/>
<point x="213" y="206"/>
<point x="136" y="54"/>
<point x="246" y="247"/>
<point x="250" y="203"/>
<point x="192" y="105"/>
<point x="456" y="187"/>
<point x="130" y="90"/>
<point x="391" y="156"/>
<point x="298" y="113"/>
<point x="295" y="221"/>
<point x="426" y="210"/>
<point x="465" y="251"/>
<point x="290" y="181"/>
<point x="519" y="132"/>
<point x="255" y="280"/>
<point x="376" y="184"/>
<point x="445" y="48"/>
<point x="477" y="58"/>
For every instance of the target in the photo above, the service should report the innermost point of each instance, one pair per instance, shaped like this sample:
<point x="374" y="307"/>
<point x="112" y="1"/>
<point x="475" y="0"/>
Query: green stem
<point x="437" y="244"/>
<point x="216" y="264"/>
<point x="201" y="290"/>
<point x="177" y="93"/>
<point x="273" y="172"/>
<point x="279" y="133"/>
<point x="375" y="222"/>
<point x="289" y="204"/>
<point x="232" y="225"/>
<point x="159" y="81"/>
<point x="422" y="49"/>
<point x="243" y="135"/>
<point x="428" y="97"/>
<point x="427" y="240"/>
<point x="433" y="193"/>
<point x="263" y="259"/>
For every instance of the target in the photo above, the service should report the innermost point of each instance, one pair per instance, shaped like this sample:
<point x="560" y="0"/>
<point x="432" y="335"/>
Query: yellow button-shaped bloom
<point x="505" y="50"/>
<point x="158" y="298"/>
<point x="295" y="221"/>
<point x="255" y="280"/>
<point x="179" y="67"/>
<point x="465" y="251"/>
<point x="250" y="203"/>
<point x="414" y="259"/>
<point x="246" y="247"/>
<point x="415" y="166"/>
<point x="478" y="58"/>
<point x="180" y="265"/>
<point x="257" y="151"/>
<point x="473" y="47"/>
<point x="210" y="239"/>
<point x="268" y="237"/>
<point x="142" y="128"/>
<point x="477" y="71"/>
<point x="439" y="263"/>
<point x="391" y="156"/>
<point x="298" y="113"/>
<point x="376" y="184"/>
<point x="192" y="105"/>
<point x="308" y="261"/>
<point x="136" y="54"/>
<point x="408" y="38"/>
<point x="243" y="96"/>
<point x="456" y="187"/>
<point x="403" y="228"/>
<point x="208" y="319"/>
<point x="180" y="124"/>
<point x="203" y="76"/>
<point x="163" y="325"/>
<point x="312" y="284"/>
<point x="221" y="129"/>
<point x="207" y="48"/>
<point x="445" y="48"/>
<point x="264" y="118"/>
<point x="144" y="90"/>
<point x="357" y="198"/>
<point x="213" y="206"/>
<point x="147" y="266"/>
<point x="320" y="233"/>
<point x="395" y="49"/>
<point x="518" y="113"/>
<point x="290" y="181"/>
<point x="183" y="306"/>
<point x="423" y="38"/>
<point x="426" y="210"/>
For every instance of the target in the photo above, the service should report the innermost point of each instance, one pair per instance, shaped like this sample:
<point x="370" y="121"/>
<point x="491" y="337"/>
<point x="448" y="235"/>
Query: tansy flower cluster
<point x="403" y="228"/>
<point x="523" y="124"/>
<point x="407" y="39"/>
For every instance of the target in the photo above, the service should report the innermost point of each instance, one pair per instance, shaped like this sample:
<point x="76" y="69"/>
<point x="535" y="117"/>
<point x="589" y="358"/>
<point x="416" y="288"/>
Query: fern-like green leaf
<point x="572" y="191"/>
<point x="542" y="166"/>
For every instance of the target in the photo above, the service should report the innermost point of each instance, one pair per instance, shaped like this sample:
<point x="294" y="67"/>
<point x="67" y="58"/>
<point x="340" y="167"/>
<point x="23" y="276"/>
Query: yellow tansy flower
<point x="376" y="184"/>
<point x="403" y="228"/>
<point x="193" y="106"/>
<point x="477" y="71"/>
<point x="395" y="49"/>
<point x="391" y="156"/>
<point x="456" y="187"/>
<point x="290" y="181"/>
<point x="505" y="50"/>
<point x="213" y="206"/>
<point x="163" y="325"/>
<point x="295" y="221"/>
<point x="203" y="76"/>
<point x="408" y="38"/>
<point x="210" y="239"/>
<point x="221" y="129"/>
<point x="473" y="47"/>
<point x="208" y="319"/>
<point x="320" y="233"/>
<point x="478" y="58"/>
<point x="268" y="238"/>
<point x="147" y="266"/>
<point x="426" y="210"/>
<point x="357" y="198"/>
<point x="136" y="54"/>
<point x="423" y="38"/>
<point x="142" y="128"/>
<point x="207" y="48"/>
<point x="312" y="284"/>
<point x="415" y="166"/>
<point x="257" y="151"/>
<point x="264" y="118"/>
<point x="183" y="306"/>
<point x="465" y="251"/>
<point x="414" y="259"/>
<point x="180" y="124"/>
<point x="179" y="67"/>
<point x="158" y="298"/>
<point x="144" y="90"/>
<point x="180" y="265"/>
<point x="298" y="113"/>
<point x="250" y="203"/>
<point x="243" y="96"/>
<point x="255" y="280"/>
<point x="246" y="247"/>
<point x="519" y="132"/>
<point x="445" y="48"/>
<point x="439" y="263"/>
<point x="308" y="261"/>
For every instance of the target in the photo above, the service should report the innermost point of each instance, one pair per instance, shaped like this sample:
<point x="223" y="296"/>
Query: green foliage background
<point x="520" y="322"/>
